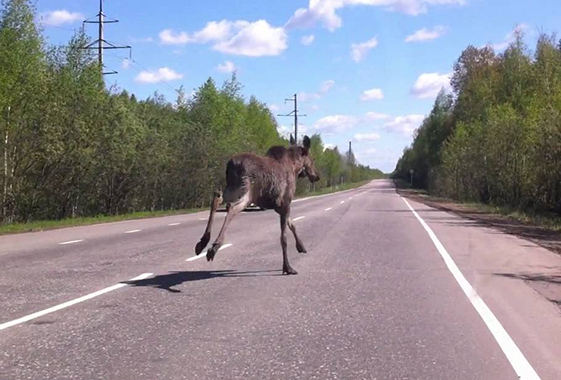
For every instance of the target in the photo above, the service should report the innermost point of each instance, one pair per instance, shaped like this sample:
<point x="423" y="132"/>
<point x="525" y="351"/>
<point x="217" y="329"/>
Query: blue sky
<point x="365" y="70"/>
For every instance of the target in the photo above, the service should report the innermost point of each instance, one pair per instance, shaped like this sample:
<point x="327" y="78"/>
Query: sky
<point x="365" y="71"/>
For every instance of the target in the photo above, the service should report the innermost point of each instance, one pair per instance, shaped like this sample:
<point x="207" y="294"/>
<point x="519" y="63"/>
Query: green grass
<point x="74" y="222"/>
<point x="14" y="228"/>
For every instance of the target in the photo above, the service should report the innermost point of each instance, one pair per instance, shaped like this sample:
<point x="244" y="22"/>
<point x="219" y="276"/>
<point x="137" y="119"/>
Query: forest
<point x="496" y="137"/>
<point x="70" y="146"/>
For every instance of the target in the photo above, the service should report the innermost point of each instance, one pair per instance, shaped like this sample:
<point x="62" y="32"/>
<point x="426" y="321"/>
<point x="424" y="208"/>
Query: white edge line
<point x="71" y="242"/>
<point x="517" y="360"/>
<point x="203" y="254"/>
<point x="132" y="231"/>
<point x="69" y="303"/>
<point x="300" y="217"/>
<point x="174" y="224"/>
<point x="329" y="208"/>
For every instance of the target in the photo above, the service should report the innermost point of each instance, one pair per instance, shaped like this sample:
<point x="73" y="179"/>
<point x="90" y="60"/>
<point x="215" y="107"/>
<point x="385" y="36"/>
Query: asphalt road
<point x="383" y="293"/>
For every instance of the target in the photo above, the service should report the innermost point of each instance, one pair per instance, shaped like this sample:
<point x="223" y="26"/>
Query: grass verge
<point x="75" y="222"/>
<point x="549" y="221"/>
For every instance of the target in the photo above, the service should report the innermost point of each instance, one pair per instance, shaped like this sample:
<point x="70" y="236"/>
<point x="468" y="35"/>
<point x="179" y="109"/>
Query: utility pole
<point x="295" y="114"/>
<point x="101" y="44"/>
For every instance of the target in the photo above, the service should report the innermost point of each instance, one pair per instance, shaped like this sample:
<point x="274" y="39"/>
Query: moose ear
<point x="306" y="148"/>
<point x="291" y="140"/>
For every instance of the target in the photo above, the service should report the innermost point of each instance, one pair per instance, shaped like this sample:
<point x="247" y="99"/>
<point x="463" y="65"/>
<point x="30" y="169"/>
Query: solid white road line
<point x="174" y="224"/>
<point x="71" y="242"/>
<point x="69" y="303"/>
<point x="132" y="231"/>
<point x="203" y="254"/>
<point x="203" y="218"/>
<point x="517" y="360"/>
<point x="300" y="217"/>
<point x="329" y="208"/>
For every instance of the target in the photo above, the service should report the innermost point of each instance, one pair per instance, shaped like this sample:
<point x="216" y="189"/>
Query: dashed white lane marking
<point x="342" y="202"/>
<point x="132" y="231"/>
<point x="71" y="242"/>
<point x="174" y="224"/>
<point x="203" y="218"/>
<point x="203" y="254"/>
<point x="300" y="217"/>
<point x="517" y="360"/>
<point x="69" y="303"/>
<point x="329" y="208"/>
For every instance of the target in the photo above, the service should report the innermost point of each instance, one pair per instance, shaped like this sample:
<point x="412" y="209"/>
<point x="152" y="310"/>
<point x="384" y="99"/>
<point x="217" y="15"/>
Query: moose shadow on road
<point x="170" y="280"/>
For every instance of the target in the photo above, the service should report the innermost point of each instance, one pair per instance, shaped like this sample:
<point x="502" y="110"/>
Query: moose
<point x="268" y="181"/>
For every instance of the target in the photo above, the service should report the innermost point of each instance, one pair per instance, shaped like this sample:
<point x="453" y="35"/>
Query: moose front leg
<point x="286" y="268"/>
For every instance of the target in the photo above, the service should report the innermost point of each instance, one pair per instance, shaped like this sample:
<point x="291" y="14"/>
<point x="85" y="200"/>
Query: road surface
<point x="389" y="289"/>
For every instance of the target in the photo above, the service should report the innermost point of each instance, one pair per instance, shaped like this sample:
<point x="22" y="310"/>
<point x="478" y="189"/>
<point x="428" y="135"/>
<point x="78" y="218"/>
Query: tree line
<point x="496" y="138"/>
<point x="71" y="147"/>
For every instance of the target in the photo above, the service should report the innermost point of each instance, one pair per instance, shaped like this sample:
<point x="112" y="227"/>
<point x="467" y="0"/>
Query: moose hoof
<point x="202" y="243"/>
<point x="301" y="249"/>
<point x="288" y="271"/>
<point x="211" y="253"/>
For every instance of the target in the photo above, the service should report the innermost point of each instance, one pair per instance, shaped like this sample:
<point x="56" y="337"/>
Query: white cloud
<point x="426" y="34"/>
<point x="61" y="17"/>
<point x="255" y="39"/>
<point x="226" y="67"/>
<point x="335" y="123"/>
<point x="325" y="11"/>
<point x="373" y="94"/>
<point x="428" y="85"/>
<point x="307" y="40"/>
<point x="162" y="74"/>
<point x="359" y="50"/>
<point x="509" y="38"/>
<point x="126" y="64"/>
<point x="274" y="108"/>
<point x="405" y="125"/>
<point x="366" y="136"/>
<point x="252" y="39"/>
<point x="329" y="146"/>
<point x="324" y="88"/>
<point x="314" y="108"/>
<point x="169" y="37"/>
<point x="370" y="116"/>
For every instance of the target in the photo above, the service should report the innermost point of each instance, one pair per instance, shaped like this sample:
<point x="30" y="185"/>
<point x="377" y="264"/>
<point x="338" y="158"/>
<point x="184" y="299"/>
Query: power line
<point x="101" y="43"/>
<point x="295" y="114"/>
<point x="143" y="68"/>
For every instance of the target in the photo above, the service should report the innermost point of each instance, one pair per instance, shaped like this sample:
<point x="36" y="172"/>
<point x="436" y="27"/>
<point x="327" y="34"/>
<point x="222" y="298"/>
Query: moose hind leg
<point x="233" y="209"/>
<point x="286" y="268"/>
<point x="299" y="245"/>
